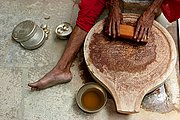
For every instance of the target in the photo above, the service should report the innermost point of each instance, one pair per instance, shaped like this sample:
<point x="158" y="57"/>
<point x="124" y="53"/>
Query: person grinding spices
<point x="89" y="12"/>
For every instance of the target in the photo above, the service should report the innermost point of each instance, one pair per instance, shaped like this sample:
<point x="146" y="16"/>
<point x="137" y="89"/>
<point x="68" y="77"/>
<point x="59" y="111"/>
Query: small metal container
<point x="29" y="35"/>
<point x="89" y="88"/>
<point x="63" y="30"/>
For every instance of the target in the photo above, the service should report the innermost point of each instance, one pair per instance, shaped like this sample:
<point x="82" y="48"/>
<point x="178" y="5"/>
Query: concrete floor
<point x="18" y="67"/>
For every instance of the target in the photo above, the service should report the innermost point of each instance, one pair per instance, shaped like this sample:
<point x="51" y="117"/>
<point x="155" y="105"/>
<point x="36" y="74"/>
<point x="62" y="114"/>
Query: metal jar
<point x="29" y="35"/>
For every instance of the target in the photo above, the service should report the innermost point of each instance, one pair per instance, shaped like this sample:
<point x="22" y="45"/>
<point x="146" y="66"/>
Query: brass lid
<point x="24" y="31"/>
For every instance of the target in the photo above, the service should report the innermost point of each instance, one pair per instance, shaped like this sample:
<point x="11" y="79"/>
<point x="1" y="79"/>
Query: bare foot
<point x="52" y="78"/>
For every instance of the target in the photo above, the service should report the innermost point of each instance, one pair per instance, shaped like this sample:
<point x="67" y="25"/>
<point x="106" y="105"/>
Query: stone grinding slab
<point x="129" y="71"/>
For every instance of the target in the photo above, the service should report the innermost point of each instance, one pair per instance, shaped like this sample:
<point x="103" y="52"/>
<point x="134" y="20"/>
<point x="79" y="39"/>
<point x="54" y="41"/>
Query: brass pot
<point x="98" y="90"/>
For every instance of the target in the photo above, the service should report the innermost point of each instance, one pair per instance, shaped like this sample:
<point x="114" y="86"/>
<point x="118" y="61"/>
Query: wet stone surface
<point x="121" y="55"/>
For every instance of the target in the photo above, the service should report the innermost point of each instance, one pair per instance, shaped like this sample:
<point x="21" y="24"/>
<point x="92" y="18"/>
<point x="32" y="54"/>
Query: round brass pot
<point x="91" y="87"/>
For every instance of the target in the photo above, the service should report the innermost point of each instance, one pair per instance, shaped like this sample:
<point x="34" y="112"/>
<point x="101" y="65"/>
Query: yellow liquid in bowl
<point x="92" y="99"/>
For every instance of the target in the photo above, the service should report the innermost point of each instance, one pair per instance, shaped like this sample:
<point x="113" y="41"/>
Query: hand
<point x="144" y="25"/>
<point x="113" y="21"/>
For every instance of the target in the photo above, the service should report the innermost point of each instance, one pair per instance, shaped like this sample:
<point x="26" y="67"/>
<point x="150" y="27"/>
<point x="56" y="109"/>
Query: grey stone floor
<point x="18" y="67"/>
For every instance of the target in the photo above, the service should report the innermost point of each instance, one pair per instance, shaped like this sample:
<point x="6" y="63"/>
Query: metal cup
<point x="91" y="87"/>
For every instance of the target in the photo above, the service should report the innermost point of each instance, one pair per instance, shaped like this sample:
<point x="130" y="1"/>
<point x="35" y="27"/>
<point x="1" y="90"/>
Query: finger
<point x="144" y="36"/>
<point x="148" y="33"/>
<point x="109" y="29"/>
<point x="106" y="30"/>
<point x="136" y="31"/>
<point x="140" y="34"/>
<point x="118" y="28"/>
<point x="106" y="25"/>
<point x="114" y="29"/>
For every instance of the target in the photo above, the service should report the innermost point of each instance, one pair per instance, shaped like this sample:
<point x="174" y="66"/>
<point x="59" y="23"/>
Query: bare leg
<point x="61" y="72"/>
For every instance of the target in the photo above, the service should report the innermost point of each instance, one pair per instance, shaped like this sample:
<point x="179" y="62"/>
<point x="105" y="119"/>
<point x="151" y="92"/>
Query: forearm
<point x="114" y="4"/>
<point x="154" y="7"/>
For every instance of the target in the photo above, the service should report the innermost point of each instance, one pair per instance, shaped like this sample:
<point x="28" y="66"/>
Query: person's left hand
<point x="113" y="21"/>
<point x="144" y="25"/>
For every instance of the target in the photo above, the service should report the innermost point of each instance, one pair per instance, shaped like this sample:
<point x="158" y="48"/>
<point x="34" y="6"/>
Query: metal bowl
<point x="63" y="30"/>
<point x="92" y="86"/>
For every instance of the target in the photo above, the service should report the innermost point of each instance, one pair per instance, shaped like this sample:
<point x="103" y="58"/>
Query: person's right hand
<point x="113" y="21"/>
<point x="144" y="25"/>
